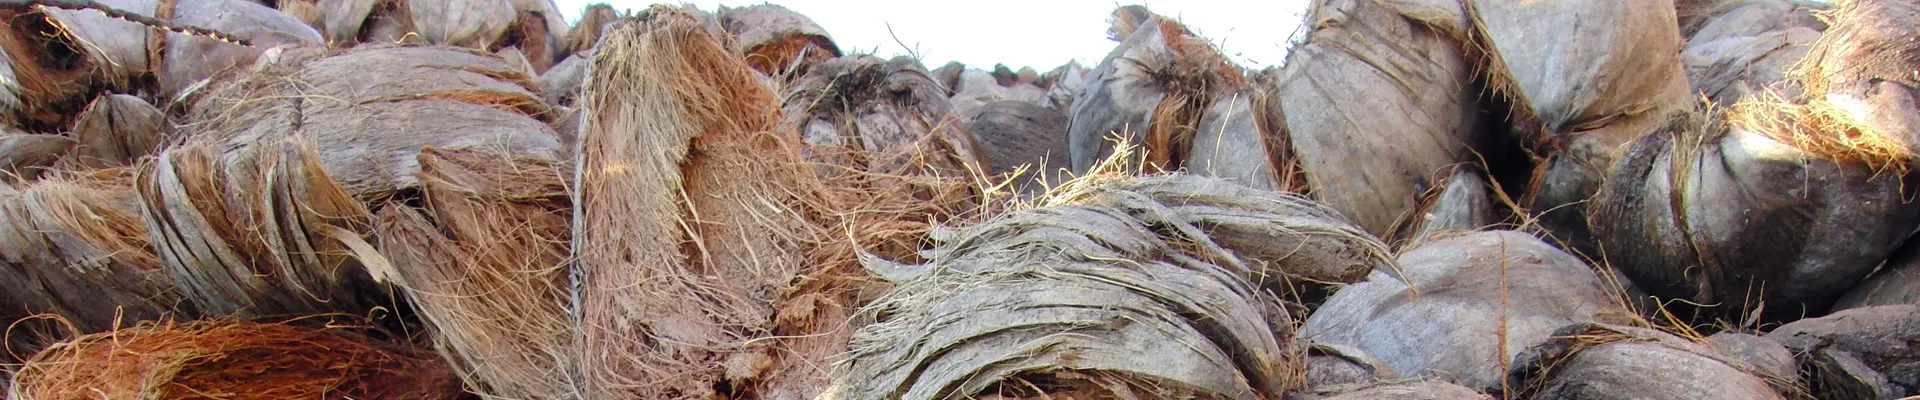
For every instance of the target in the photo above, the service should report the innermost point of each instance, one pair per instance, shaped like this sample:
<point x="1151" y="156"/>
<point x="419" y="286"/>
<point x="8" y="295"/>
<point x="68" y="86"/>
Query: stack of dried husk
<point x="232" y="359"/>
<point x="482" y="260"/>
<point x="1747" y="51"/>
<point x="882" y="107"/>
<point x="1018" y="136"/>
<point x="1780" y="204"/>
<point x="702" y="267"/>
<point x="114" y="131"/>
<point x="1600" y="362"/>
<point x="973" y="88"/>
<point x="1150" y="287"/>
<point x="60" y="59"/>
<point x="253" y="218"/>
<point x="1170" y="91"/>
<point x="1501" y="291"/>
<point x="1862" y="353"/>
<point x="533" y="29"/>
<point x="777" y="41"/>
<point x="25" y="156"/>
<point x="1377" y="104"/>
<point x="75" y="247"/>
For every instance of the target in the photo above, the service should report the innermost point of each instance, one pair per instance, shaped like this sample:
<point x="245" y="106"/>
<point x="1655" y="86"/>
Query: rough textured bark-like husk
<point x="1611" y="59"/>
<point x="1756" y="17"/>
<point x="116" y="131"/>
<point x="1861" y="353"/>
<point x="1039" y="296"/>
<point x="1896" y="282"/>
<point x="882" y="107"/>
<point x="1864" y="65"/>
<point x="75" y="247"/>
<point x="1423" y="390"/>
<point x="25" y="156"/>
<point x="1375" y="105"/>
<point x="1014" y="134"/>
<point x="1731" y="218"/>
<point x="774" y="38"/>
<point x="1154" y="90"/>
<point x="1766" y="358"/>
<point x="1491" y="285"/>
<point x="188" y="59"/>
<point x="1738" y="68"/>
<point x="692" y="277"/>
<point x="1464" y="203"/>
<point x="1334" y="369"/>
<point x="461" y="23"/>
<point x="1604" y="362"/>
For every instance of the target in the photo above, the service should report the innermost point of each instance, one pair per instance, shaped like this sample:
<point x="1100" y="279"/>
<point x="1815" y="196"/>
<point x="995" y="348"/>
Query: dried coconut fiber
<point x="1858" y="82"/>
<point x="1377" y="105"/>
<point x="699" y="271"/>
<point x="1607" y="362"/>
<point x="1745" y="225"/>
<point x="26" y="156"/>
<point x="224" y="359"/>
<point x="483" y="263"/>
<point x="73" y="245"/>
<point x="879" y="108"/>
<point x="1151" y="287"/>
<point x="585" y="34"/>
<point x="777" y="41"/>
<point x="116" y="130"/>
<point x="1169" y="90"/>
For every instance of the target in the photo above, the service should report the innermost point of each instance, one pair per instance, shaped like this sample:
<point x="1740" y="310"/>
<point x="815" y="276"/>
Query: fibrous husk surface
<point x="1376" y="106"/>
<point x="560" y="85"/>
<point x="696" y="273"/>
<point x="1861" y="353"/>
<point x="974" y="88"/>
<point x="1743" y="68"/>
<point x="1464" y="202"/>
<point x="1612" y="59"/>
<point x="585" y="34"/>
<point x="1421" y="390"/>
<point x="1502" y="292"/>
<point x="776" y="40"/>
<point x="26" y="156"/>
<point x="116" y="131"/>
<point x="1860" y="71"/>
<point x="1334" y="369"/>
<point x="483" y="263"/>
<point x="1756" y="17"/>
<point x="1161" y="88"/>
<point x="1600" y="362"/>
<point x="1015" y="134"/>
<point x="882" y="107"/>
<point x="1733" y="220"/>
<point x="74" y="246"/>
<point x="1896" y="282"/>
<point x="224" y="359"/>
<point x="1766" y="358"/>
<point x="1122" y="287"/>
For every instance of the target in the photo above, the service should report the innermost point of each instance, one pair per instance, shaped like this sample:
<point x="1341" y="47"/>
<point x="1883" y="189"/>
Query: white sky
<point x="1042" y="34"/>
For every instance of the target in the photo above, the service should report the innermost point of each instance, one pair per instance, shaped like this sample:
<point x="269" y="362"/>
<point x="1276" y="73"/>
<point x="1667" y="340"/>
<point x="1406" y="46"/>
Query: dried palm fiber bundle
<point x="74" y="246"/>
<point x="586" y="32"/>
<point x="26" y="156"/>
<point x="62" y="58"/>
<point x="1373" y="106"/>
<point x="252" y="219"/>
<point x="1017" y="136"/>
<point x="1116" y="287"/>
<point x="482" y="261"/>
<point x="1896" y="281"/>
<point x="1157" y="89"/>
<point x="231" y="359"/>
<point x="116" y="130"/>
<point x="705" y="265"/>
<point x="1502" y="291"/>
<point x="1861" y="353"/>
<point x="777" y="41"/>
<point x="1745" y="225"/>
<point x="1601" y="362"/>
<point x="1859" y="71"/>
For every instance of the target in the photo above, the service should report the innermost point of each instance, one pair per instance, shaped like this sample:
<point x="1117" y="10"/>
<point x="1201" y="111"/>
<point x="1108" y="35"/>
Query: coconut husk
<point x="591" y="24"/>
<point x="1421" y="390"/>
<point x="76" y="248"/>
<point x="1502" y="291"/>
<point x="513" y="56"/>
<point x="1861" y="353"/>
<point x="974" y="88"/>
<point x="116" y="131"/>
<point x="537" y="30"/>
<point x="1614" y="63"/>
<point x="1597" y="361"/>
<point x="878" y="108"/>
<point x="1154" y="89"/>
<point x="1018" y="136"/>
<point x="351" y="22"/>
<point x="1464" y="202"/>
<point x="1862" y="69"/>
<point x="1334" y="369"/>
<point x="307" y="11"/>
<point x="1897" y="281"/>
<point x="462" y="23"/>
<point x="560" y="85"/>
<point x="776" y="40"/>
<point x="1064" y="84"/>
<point x="372" y="108"/>
<point x="1743" y="225"/>
<point x="1732" y="19"/>
<point x="483" y="265"/>
<point x="189" y="59"/>
<point x="1236" y="141"/>
<point x="1362" y="57"/>
<point x="51" y="72"/>
<point x="1743" y="68"/>
<point x="25" y="156"/>
<point x="1767" y="358"/>
<point x="696" y="274"/>
<point x="232" y="360"/>
<point x="1028" y="305"/>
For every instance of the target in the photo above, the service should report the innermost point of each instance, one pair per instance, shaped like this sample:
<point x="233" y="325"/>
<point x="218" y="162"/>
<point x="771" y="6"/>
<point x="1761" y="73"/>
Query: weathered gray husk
<point x="1360" y="59"/>
<point x="1040" y="296"/>
<point x="1065" y="83"/>
<point x="1490" y="285"/>
<point x="190" y="59"/>
<point x="1728" y="218"/>
<point x="1766" y="358"/>
<point x="116" y="131"/>
<point x="1895" y="282"/>
<point x="1015" y="134"/>
<point x="461" y="23"/>
<point x="882" y="107"/>
<point x="1865" y="62"/>
<point x="1603" y="362"/>
<point x="1737" y="68"/>
<point x="25" y="156"/>
<point x="1235" y="141"/>
<point x="1335" y="369"/>
<point x="560" y="85"/>
<point x="1757" y="17"/>
<point x="1610" y="59"/>
<point x="1422" y="390"/>
<point x="74" y="246"/>
<point x="776" y="40"/>
<point x="1464" y="203"/>
<point x="1861" y="353"/>
<point x="974" y="88"/>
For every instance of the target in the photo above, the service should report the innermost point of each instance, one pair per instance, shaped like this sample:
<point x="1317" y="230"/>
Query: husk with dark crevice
<point x="1896" y="281"/>
<point x="1017" y="136"/>
<point x="1159" y="287"/>
<point x="875" y="108"/>
<point x="1860" y="74"/>
<point x="1501" y="292"/>
<point x="223" y="359"/>
<point x="482" y="260"/>
<point x="1462" y="202"/>
<point x="1598" y="361"/>
<point x="26" y="156"/>
<point x="1360" y="58"/>
<point x="1744" y="226"/>
<point x="1334" y="369"/>
<point x="116" y="131"/>
<point x="777" y="41"/>
<point x="1860" y="353"/>
<point x="703" y="267"/>
<point x="75" y="246"/>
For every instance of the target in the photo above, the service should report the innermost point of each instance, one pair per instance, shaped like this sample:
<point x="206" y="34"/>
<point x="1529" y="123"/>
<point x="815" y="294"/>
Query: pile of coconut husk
<point x="229" y="359"/>
<point x="1158" y="287"/>
<point x="527" y="31"/>
<point x="76" y="248"/>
